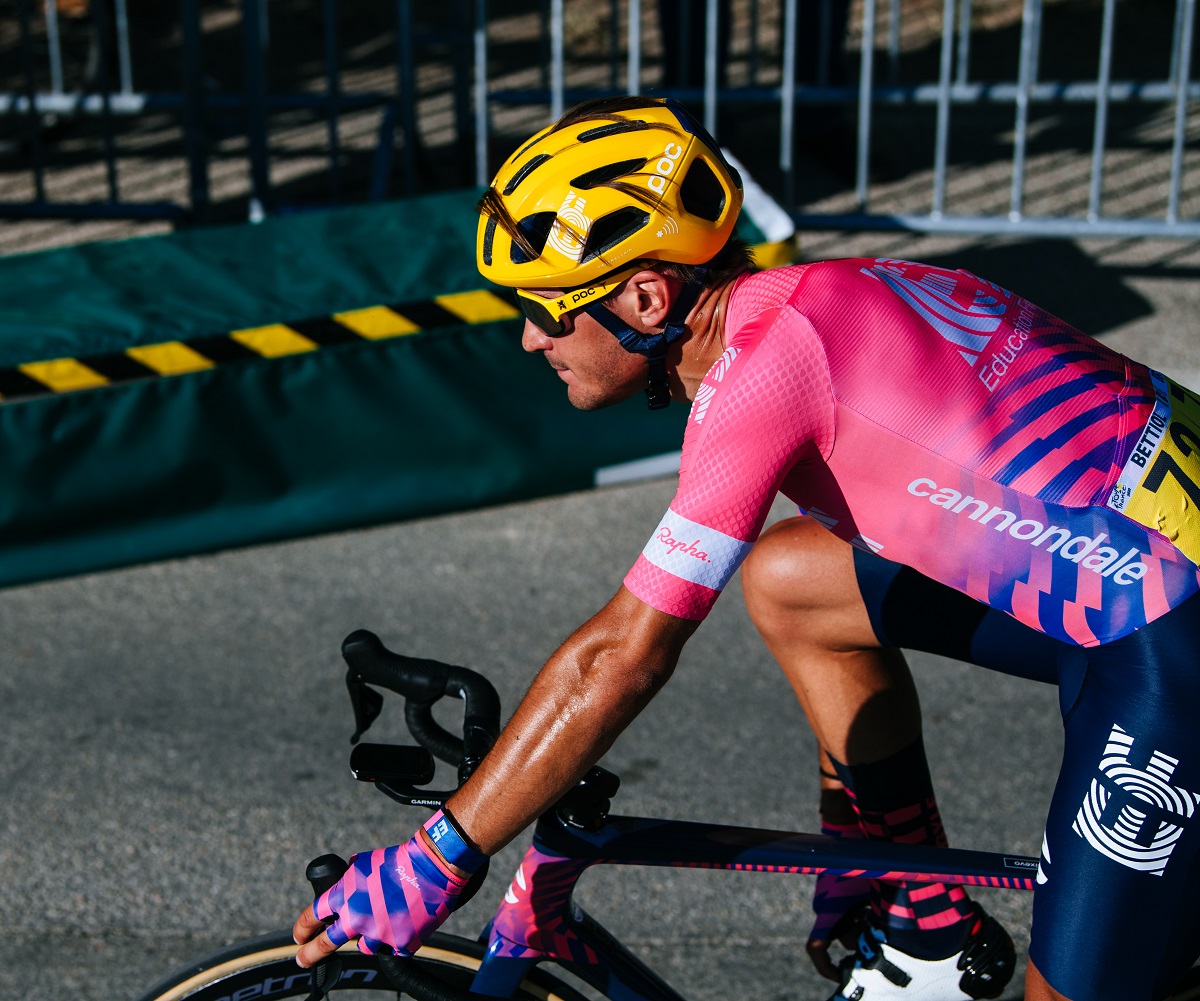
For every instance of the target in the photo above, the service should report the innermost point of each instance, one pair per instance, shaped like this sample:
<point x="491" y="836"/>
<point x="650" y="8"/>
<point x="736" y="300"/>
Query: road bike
<point x="541" y="944"/>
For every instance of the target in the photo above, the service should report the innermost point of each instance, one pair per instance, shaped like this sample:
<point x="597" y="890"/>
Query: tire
<point x="265" y="968"/>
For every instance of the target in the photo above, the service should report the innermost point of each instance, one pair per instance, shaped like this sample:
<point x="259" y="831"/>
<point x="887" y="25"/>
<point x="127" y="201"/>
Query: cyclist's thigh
<point x="909" y="610"/>
<point x="1115" y="912"/>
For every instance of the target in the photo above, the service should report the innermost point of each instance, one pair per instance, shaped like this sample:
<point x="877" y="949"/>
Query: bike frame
<point x="539" y="919"/>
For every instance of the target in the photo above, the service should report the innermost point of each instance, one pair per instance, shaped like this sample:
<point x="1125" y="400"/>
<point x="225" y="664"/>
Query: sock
<point x="835" y="895"/>
<point x="894" y="801"/>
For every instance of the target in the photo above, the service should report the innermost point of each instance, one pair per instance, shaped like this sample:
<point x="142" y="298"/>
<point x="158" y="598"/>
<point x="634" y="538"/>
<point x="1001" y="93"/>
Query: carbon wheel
<point x="265" y="969"/>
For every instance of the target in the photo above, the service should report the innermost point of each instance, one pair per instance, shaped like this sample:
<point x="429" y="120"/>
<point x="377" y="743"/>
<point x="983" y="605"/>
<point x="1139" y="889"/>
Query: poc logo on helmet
<point x="665" y="167"/>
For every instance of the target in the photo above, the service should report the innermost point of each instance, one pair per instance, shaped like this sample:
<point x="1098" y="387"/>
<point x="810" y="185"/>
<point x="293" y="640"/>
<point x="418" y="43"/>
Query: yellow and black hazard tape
<point x="276" y="340"/>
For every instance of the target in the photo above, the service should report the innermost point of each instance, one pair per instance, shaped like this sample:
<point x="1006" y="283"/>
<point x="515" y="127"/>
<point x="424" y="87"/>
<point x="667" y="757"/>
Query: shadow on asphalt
<point x="1060" y="277"/>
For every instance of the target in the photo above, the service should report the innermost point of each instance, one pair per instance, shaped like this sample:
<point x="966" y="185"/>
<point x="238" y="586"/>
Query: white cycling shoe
<point x="876" y="971"/>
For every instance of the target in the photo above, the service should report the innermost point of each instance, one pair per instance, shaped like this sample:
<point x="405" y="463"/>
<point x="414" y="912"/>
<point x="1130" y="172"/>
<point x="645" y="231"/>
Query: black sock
<point x="894" y="801"/>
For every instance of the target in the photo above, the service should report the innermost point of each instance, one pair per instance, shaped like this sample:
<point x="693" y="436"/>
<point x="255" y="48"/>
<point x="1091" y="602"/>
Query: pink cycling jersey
<point x="944" y="423"/>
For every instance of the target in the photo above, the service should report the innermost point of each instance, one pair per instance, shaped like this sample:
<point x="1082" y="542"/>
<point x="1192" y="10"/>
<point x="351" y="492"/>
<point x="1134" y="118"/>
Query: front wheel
<point x="265" y="968"/>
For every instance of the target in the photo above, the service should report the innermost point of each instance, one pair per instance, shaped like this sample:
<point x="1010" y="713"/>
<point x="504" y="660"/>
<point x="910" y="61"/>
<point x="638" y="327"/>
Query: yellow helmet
<point x="613" y="181"/>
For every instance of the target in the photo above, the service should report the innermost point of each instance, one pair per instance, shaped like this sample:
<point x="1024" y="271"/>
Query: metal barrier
<point x="107" y="100"/>
<point x="779" y="41"/>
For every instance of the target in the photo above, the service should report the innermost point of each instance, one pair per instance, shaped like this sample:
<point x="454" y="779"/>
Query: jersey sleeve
<point x="766" y="405"/>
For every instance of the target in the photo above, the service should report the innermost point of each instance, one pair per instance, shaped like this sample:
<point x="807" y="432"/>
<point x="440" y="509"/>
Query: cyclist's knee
<point x="797" y="567"/>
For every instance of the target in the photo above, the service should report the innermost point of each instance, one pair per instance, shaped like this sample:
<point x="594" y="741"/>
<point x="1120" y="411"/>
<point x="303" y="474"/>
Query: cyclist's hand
<point x="392" y="897"/>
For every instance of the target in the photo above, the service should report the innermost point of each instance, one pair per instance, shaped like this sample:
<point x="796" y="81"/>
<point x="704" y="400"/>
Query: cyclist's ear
<point x="650" y="294"/>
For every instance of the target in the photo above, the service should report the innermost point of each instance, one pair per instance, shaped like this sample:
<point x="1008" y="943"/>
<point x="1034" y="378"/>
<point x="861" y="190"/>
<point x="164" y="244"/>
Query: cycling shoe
<point x="876" y="971"/>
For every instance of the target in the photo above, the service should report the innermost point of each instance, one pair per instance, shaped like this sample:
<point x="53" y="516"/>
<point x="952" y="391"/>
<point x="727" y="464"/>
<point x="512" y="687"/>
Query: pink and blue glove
<point x="395" y="898"/>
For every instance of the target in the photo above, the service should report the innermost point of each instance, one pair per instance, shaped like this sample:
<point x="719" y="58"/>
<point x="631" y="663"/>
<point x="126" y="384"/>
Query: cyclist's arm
<point x="738" y="449"/>
<point x="587" y="693"/>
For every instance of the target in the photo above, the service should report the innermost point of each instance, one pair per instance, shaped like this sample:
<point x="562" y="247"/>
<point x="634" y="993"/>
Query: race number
<point x="1160" y="484"/>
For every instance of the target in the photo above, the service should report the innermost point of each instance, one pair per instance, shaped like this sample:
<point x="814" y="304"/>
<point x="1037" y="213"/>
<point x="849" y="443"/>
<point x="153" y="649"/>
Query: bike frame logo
<point x="1132" y="814"/>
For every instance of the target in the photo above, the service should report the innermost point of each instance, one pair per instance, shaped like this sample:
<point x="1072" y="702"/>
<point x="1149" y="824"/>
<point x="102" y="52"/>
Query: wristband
<point x="451" y="843"/>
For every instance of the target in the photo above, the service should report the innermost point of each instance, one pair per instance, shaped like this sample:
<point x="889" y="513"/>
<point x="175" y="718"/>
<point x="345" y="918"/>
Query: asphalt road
<point x="175" y="735"/>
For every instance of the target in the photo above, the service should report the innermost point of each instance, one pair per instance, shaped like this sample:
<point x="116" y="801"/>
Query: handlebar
<point x="322" y="873"/>
<point x="422" y="683"/>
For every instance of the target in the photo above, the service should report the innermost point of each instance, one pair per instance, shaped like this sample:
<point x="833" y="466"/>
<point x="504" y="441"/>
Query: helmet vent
<point x="536" y="228"/>
<point x="609" y="172"/>
<point x="613" y="129"/>
<point x="489" y="234"/>
<point x="612" y="229"/>
<point x="701" y="193"/>
<point x="525" y="171"/>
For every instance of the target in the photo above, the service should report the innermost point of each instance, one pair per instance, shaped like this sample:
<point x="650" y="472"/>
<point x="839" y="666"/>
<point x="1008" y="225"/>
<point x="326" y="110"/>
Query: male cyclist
<point x="978" y="479"/>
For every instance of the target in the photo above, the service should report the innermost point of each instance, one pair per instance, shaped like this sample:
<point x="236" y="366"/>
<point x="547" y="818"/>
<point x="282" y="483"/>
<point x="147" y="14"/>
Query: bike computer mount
<point x="585" y="805"/>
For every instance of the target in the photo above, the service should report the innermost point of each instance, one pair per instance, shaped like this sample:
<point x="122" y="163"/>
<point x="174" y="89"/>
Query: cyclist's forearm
<point x="585" y="696"/>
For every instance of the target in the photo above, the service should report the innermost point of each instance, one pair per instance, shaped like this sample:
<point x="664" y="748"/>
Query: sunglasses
<point x="547" y="314"/>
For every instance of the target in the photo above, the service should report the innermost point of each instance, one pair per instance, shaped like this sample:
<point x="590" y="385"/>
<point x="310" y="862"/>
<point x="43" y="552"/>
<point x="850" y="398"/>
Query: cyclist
<point x="977" y="479"/>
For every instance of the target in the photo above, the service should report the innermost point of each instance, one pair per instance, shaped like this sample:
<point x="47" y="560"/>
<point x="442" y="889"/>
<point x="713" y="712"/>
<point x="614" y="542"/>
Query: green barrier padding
<point x="215" y="388"/>
<point x="333" y="439"/>
<point x="105" y="297"/>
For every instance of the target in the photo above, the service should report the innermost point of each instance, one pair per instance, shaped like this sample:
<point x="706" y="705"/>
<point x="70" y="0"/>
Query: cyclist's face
<point x="598" y="372"/>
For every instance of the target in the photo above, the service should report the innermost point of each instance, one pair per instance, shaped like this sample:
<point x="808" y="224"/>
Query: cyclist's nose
<point x="533" y="338"/>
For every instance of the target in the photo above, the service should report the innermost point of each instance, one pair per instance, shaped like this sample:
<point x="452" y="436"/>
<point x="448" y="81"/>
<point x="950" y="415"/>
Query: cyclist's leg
<point x="912" y="611"/>
<point x="802" y="593"/>
<point x="1115" y="913"/>
<point x="906" y="609"/>
<point x="1152" y="674"/>
<point x="819" y="607"/>
<point x="835" y="617"/>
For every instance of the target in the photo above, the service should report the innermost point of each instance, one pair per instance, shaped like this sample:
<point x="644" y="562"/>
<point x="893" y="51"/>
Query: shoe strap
<point x="871" y="957"/>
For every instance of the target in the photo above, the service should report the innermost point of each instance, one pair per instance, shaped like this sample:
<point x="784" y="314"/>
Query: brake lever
<point x="366" y="702"/>
<point x="322" y="873"/>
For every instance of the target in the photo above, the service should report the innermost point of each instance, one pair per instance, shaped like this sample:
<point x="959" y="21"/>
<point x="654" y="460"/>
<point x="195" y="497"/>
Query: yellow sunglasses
<point x="547" y="314"/>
